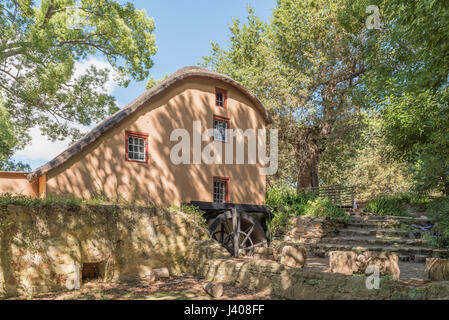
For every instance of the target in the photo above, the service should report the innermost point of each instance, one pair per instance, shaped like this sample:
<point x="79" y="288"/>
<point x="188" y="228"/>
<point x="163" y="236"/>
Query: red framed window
<point x="136" y="147"/>
<point x="221" y="98"/>
<point x="221" y="125"/>
<point x="221" y="190"/>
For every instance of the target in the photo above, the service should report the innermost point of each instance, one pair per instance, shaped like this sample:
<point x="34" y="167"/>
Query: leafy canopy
<point x="39" y="46"/>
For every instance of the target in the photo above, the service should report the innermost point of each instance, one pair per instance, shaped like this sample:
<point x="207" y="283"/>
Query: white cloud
<point x="41" y="148"/>
<point x="82" y="66"/>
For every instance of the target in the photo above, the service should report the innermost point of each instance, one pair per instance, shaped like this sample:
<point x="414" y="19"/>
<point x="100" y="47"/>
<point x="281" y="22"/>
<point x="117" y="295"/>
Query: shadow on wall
<point x="102" y="169"/>
<point x="46" y="248"/>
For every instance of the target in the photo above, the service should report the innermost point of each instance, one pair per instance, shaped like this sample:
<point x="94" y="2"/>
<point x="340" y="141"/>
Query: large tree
<point x="39" y="47"/>
<point x="303" y="65"/>
<point x="408" y="62"/>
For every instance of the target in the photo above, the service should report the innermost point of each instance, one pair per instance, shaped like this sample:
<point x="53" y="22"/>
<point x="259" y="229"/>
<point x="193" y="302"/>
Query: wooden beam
<point x="227" y="206"/>
<point x="236" y="231"/>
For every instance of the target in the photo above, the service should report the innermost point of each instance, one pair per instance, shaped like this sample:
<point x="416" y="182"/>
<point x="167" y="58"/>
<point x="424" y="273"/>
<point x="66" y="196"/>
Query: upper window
<point x="221" y="97"/>
<point x="221" y="194"/>
<point x="136" y="147"/>
<point x="220" y="129"/>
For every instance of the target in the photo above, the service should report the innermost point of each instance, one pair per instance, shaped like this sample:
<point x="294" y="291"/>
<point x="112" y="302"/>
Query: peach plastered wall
<point x="101" y="167"/>
<point x="16" y="183"/>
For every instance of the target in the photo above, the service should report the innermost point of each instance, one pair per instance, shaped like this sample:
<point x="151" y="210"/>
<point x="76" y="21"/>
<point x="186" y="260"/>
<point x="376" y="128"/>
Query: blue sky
<point x="184" y="30"/>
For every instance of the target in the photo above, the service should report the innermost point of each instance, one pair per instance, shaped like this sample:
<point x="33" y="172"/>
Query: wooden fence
<point x="340" y="195"/>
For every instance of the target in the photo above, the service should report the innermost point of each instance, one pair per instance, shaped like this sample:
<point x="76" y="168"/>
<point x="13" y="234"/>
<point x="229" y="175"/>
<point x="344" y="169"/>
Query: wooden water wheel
<point x="238" y="227"/>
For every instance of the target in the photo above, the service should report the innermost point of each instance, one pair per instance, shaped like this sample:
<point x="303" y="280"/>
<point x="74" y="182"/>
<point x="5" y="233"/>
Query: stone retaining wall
<point x="307" y="229"/>
<point x="44" y="248"/>
<point x="295" y="283"/>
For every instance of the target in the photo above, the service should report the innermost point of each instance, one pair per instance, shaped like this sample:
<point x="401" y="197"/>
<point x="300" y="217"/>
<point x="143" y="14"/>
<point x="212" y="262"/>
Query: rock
<point x="348" y="262"/>
<point x="387" y="262"/>
<point x="306" y="229"/>
<point x="420" y="258"/>
<point x="344" y="262"/>
<point x="437" y="269"/>
<point x="161" y="273"/>
<point x="215" y="290"/>
<point x="264" y="253"/>
<point x="293" y="256"/>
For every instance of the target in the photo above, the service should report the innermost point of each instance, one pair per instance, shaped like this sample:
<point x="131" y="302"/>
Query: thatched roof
<point x="135" y="105"/>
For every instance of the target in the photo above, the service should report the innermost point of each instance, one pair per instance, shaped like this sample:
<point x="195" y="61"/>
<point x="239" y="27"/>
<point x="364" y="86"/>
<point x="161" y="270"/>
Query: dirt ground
<point x="175" y="288"/>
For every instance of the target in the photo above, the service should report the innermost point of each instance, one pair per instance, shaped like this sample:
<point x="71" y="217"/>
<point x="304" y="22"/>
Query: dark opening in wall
<point x="92" y="271"/>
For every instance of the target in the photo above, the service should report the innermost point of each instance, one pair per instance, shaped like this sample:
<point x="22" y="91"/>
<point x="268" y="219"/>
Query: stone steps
<point x="348" y="232"/>
<point x="369" y="218"/>
<point x="406" y="253"/>
<point x="376" y="241"/>
<point x="387" y="241"/>
<point x="365" y="232"/>
<point x="374" y="224"/>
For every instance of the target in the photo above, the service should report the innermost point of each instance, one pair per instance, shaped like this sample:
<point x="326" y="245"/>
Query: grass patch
<point x="286" y="202"/>
<point x="395" y="205"/>
<point x="69" y="200"/>
<point x="192" y="211"/>
<point x="386" y="206"/>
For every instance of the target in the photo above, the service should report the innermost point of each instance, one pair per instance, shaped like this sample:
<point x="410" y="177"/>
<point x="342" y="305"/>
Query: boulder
<point x="215" y="290"/>
<point x="161" y="273"/>
<point x="387" y="262"/>
<point x="293" y="256"/>
<point x="348" y="262"/>
<point x="344" y="262"/>
<point x="437" y="269"/>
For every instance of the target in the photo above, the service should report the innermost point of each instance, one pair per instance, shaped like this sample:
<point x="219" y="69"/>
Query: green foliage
<point x="365" y="162"/>
<point x="407" y="82"/>
<point x="302" y="66"/>
<point x="395" y="204"/>
<point x="438" y="212"/>
<point x="417" y="126"/>
<point x="39" y="47"/>
<point x="194" y="211"/>
<point x="69" y="200"/>
<point x="386" y="206"/>
<point x="322" y="207"/>
<point x="152" y="82"/>
<point x="287" y="202"/>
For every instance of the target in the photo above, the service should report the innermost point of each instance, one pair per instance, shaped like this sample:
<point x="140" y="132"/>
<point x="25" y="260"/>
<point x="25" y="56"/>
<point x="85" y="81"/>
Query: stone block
<point x="437" y="269"/>
<point x="161" y="273"/>
<point x="344" y="262"/>
<point x="348" y="262"/>
<point x="295" y="257"/>
<point x="215" y="290"/>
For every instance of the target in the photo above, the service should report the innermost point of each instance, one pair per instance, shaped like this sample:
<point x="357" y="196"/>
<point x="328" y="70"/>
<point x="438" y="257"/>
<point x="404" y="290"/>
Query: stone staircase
<point x="367" y="232"/>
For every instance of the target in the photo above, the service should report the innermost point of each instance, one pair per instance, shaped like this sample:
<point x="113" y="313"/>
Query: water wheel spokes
<point x="250" y="233"/>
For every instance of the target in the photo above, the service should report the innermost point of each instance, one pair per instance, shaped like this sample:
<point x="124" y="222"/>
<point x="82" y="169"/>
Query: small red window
<point x="221" y="98"/>
<point x="221" y="190"/>
<point x="136" y="147"/>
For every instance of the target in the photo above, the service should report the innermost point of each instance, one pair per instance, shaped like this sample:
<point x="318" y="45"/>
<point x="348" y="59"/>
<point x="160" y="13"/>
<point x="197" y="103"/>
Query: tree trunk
<point x="308" y="173"/>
